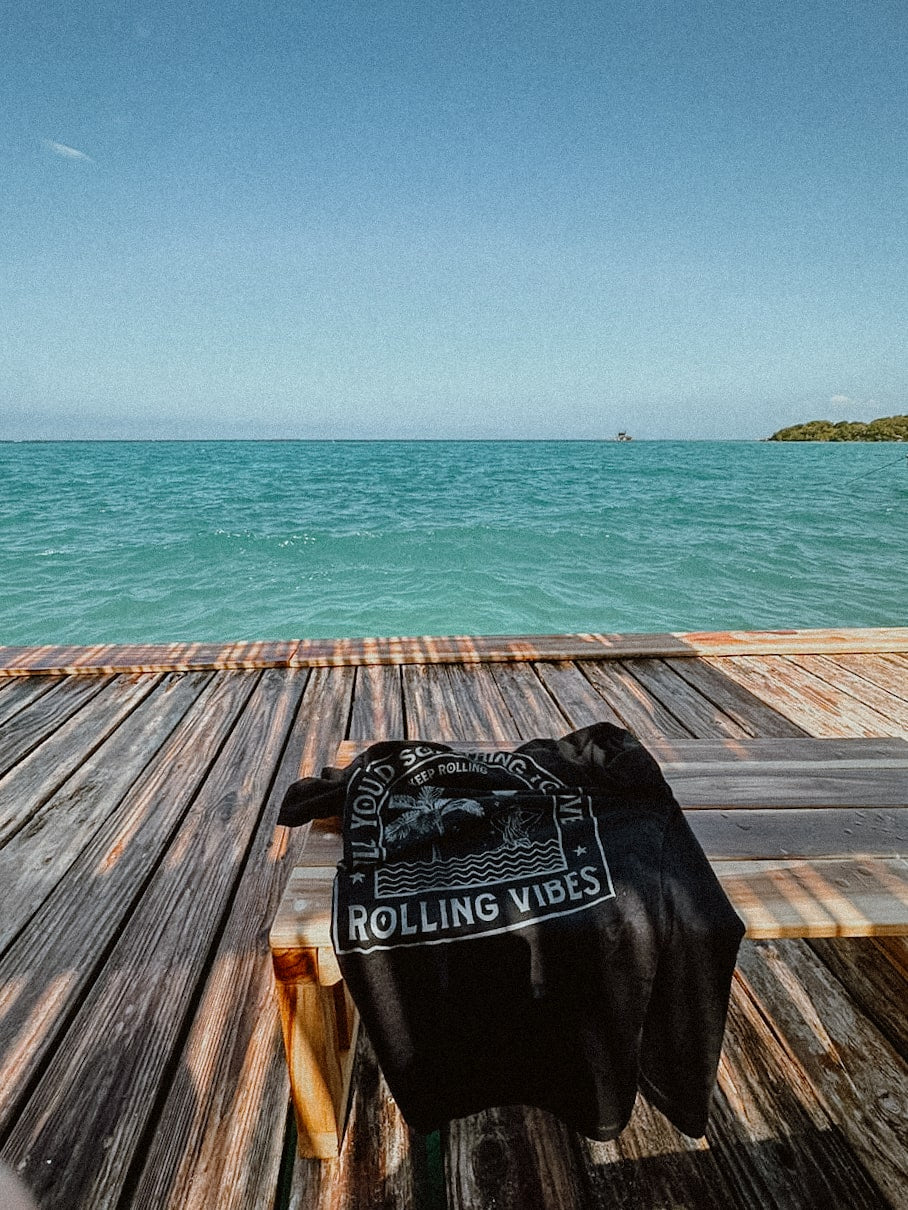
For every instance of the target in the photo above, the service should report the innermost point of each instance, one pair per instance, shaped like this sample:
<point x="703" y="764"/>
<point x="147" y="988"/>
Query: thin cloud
<point x="840" y="399"/>
<point x="68" y="153"/>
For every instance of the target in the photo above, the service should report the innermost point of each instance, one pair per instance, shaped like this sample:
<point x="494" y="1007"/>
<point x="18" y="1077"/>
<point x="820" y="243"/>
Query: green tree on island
<point x="886" y="428"/>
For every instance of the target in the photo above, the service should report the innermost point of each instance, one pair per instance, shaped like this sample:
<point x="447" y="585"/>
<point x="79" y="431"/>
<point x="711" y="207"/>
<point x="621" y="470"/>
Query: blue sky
<point x="452" y="220"/>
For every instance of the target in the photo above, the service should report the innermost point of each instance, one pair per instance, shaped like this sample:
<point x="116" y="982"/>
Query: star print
<point x="580" y="850"/>
<point x="360" y="877"/>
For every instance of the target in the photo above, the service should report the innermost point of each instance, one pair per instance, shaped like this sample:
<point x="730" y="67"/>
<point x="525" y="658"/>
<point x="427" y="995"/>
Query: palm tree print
<point x="424" y="818"/>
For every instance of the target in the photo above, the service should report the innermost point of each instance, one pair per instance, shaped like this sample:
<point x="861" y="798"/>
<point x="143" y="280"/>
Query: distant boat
<point x="622" y="436"/>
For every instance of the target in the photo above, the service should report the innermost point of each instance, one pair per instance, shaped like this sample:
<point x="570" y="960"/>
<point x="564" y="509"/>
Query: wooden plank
<point x="378" y="695"/>
<point x="687" y="704"/>
<point x="767" y="784"/>
<point x="770" y="1132"/>
<point x="18" y="692"/>
<point x="853" y="753"/>
<point x="529" y="704"/>
<point x="379" y="1162"/>
<point x="653" y="1164"/>
<point x="513" y="1157"/>
<point x="824" y="898"/>
<point x="431" y="649"/>
<point x="38" y="856"/>
<point x="754" y="716"/>
<point x="38" y="776"/>
<point x="874" y="973"/>
<point x="429" y="703"/>
<point x="887" y="672"/>
<point x="642" y="714"/>
<point x="807" y="701"/>
<point x="219" y="1137"/>
<point x="844" y="680"/>
<point x="856" y="1075"/>
<point x="78" y="1135"/>
<point x="481" y="708"/>
<point x="113" y="658"/>
<point x="577" y="700"/>
<point x="808" y="832"/>
<point x="29" y="727"/>
<point x="49" y="966"/>
<point x="781" y="642"/>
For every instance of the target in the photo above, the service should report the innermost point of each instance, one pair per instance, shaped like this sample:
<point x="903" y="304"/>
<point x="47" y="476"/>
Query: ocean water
<point x="151" y="542"/>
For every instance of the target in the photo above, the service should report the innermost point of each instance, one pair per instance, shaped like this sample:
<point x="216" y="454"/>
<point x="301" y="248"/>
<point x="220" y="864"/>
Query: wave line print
<point x="485" y="869"/>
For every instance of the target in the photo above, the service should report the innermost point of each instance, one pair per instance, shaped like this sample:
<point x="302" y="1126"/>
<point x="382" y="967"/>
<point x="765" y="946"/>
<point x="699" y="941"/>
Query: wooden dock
<point x="141" y="1063"/>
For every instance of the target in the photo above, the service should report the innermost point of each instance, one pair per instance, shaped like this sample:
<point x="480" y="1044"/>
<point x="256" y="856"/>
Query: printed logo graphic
<point x="437" y="866"/>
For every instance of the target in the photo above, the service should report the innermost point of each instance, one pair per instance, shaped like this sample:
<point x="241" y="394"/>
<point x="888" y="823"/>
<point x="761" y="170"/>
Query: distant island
<point x="886" y="428"/>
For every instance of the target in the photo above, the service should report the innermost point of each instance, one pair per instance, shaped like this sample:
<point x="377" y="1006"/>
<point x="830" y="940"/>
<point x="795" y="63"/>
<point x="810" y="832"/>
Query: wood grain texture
<point x="85" y="1120"/>
<point x="889" y="672"/>
<point x="57" y="954"/>
<point x="811" y="703"/>
<point x="456" y="649"/>
<point x="848" y="682"/>
<point x="860" y="1081"/>
<point x="219" y="1137"/>
<point x="698" y="714"/>
<point x="875" y="976"/>
<point x="379" y="1161"/>
<point x="35" y="859"/>
<point x="771" y="1132"/>
<point x="37" y="776"/>
<point x="18" y="692"/>
<point x="30" y="727"/>
<point x="642" y="714"/>
<point x="752" y="714"/>
<point x="578" y="701"/>
<point x="821" y="898"/>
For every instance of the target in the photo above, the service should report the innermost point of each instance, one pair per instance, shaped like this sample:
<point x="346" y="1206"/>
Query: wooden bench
<point x="807" y="836"/>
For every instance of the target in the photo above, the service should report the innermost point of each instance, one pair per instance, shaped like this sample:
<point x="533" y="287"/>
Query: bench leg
<point x="320" y="1026"/>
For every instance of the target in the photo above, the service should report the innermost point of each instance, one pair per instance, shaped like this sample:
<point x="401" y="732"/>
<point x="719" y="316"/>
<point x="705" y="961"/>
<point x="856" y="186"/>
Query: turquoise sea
<point x="132" y="542"/>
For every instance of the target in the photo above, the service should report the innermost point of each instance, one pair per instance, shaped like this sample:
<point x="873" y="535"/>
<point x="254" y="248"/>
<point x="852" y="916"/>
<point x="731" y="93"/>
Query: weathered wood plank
<point x="457" y="649"/>
<point x="754" y="716"/>
<point x="380" y="1160"/>
<point x="37" y="857"/>
<point x="378" y="697"/>
<point x="810" y="832"/>
<point x="807" y="701"/>
<point x="85" y="1120"/>
<point x="53" y="960"/>
<point x="113" y="658"/>
<point x="848" y="682"/>
<point x="514" y="1158"/>
<point x="859" y="1079"/>
<point x="428" y="703"/>
<point x="530" y="705"/>
<point x="31" y="782"/>
<point x="18" y="692"/>
<point x="218" y="1139"/>
<point x="653" y="1164"/>
<point x="821" y="898"/>
<point x="30" y="727"/>
<point x="577" y="699"/>
<point x="687" y="704"/>
<point x="781" y="755"/>
<point x="758" y="784"/>
<point x="874" y="973"/>
<point x="642" y="714"/>
<point x="828" y="642"/>
<point x="889" y="672"/>
<point x="770" y="1132"/>
<point x="481" y="708"/>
